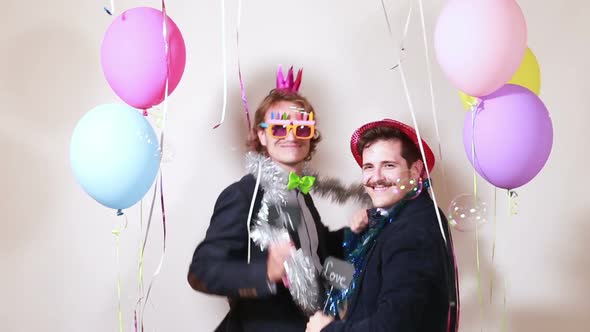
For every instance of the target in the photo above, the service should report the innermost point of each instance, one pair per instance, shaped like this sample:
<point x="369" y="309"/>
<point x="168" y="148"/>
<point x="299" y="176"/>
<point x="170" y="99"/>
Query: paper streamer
<point x="252" y="208"/>
<point x="242" y="89"/>
<point x="223" y="56"/>
<point x="413" y="114"/>
<point x="432" y="98"/>
<point x="111" y="10"/>
<point x="158" y="183"/>
<point x="415" y="123"/>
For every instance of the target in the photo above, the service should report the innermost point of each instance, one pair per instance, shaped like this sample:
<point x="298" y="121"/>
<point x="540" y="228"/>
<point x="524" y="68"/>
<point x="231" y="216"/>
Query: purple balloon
<point x="513" y="136"/>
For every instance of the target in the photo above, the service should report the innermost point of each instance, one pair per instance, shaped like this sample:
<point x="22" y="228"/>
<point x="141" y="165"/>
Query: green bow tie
<point x="303" y="183"/>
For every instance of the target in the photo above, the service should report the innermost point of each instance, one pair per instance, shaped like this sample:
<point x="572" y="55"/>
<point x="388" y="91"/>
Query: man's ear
<point x="417" y="169"/>
<point x="262" y="137"/>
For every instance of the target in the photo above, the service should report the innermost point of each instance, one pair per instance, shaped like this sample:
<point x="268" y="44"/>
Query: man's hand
<point x="318" y="321"/>
<point x="275" y="264"/>
<point x="359" y="222"/>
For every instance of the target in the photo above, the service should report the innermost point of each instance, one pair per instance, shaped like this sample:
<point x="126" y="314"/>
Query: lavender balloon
<point x="513" y="136"/>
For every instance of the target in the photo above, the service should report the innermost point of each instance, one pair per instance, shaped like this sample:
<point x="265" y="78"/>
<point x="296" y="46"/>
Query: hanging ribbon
<point x="473" y="109"/>
<point x="415" y="122"/>
<point x="504" y="313"/>
<point x="242" y="90"/>
<point x="117" y="233"/>
<point x="432" y="99"/>
<point x="479" y="288"/>
<point x="223" y="56"/>
<point x="137" y="311"/>
<point x="252" y="202"/>
<point x="504" y="309"/>
<point x="111" y="10"/>
<point x="494" y="245"/>
<point x="408" y="97"/>
<point x="139" y="307"/>
<point x="512" y="203"/>
<point x="512" y="210"/>
<point x="158" y="183"/>
<point x="402" y="49"/>
<point x="435" y="119"/>
<point x="387" y="19"/>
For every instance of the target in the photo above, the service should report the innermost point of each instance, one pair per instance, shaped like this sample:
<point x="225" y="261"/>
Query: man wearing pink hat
<point x="405" y="274"/>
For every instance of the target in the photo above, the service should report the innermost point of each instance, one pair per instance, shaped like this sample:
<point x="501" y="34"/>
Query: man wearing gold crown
<point x="266" y="244"/>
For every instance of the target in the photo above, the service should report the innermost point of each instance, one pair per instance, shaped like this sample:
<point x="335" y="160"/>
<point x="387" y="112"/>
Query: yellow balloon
<point x="528" y="75"/>
<point x="468" y="100"/>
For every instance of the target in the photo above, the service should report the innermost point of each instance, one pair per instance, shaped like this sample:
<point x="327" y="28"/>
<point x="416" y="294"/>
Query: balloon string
<point x="512" y="203"/>
<point x="473" y="153"/>
<point x="479" y="290"/>
<point x="162" y="137"/>
<point x="144" y="243"/>
<point x="137" y="311"/>
<point x="117" y="233"/>
<point x="161" y="263"/>
<point x="504" y="312"/>
<point x="494" y="245"/>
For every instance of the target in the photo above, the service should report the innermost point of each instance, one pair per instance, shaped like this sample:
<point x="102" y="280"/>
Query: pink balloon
<point x="134" y="60"/>
<point x="480" y="43"/>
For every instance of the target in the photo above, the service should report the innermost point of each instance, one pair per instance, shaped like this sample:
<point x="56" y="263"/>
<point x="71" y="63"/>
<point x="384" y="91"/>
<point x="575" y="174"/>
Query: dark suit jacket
<point x="408" y="279"/>
<point x="220" y="266"/>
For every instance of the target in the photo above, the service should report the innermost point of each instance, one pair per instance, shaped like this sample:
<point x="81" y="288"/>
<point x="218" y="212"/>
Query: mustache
<point x="384" y="183"/>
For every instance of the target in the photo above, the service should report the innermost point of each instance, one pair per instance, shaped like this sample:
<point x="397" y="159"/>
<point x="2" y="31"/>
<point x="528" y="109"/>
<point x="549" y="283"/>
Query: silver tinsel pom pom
<point x="264" y="234"/>
<point x="303" y="282"/>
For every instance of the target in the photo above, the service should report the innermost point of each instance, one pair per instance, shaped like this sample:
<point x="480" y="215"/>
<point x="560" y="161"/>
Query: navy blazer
<point x="219" y="265"/>
<point x="409" y="277"/>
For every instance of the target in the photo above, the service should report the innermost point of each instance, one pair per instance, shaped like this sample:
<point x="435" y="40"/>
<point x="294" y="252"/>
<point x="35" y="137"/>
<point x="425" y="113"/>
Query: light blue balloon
<point x="115" y="155"/>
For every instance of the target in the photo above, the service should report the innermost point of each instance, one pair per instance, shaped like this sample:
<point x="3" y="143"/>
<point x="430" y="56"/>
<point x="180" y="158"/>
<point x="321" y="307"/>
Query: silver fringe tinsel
<point x="266" y="234"/>
<point x="273" y="178"/>
<point x="303" y="278"/>
<point x="303" y="282"/>
<point x="335" y="191"/>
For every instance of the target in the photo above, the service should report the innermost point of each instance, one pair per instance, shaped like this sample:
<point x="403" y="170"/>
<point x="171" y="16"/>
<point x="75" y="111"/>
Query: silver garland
<point x="302" y="276"/>
<point x="335" y="191"/>
<point x="266" y="234"/>
<point x="303" y="282"/>
<point x="273" y="178"/>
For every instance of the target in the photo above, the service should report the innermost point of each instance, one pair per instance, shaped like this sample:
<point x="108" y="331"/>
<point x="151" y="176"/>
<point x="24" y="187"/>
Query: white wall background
<point x="58" y="255"/>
